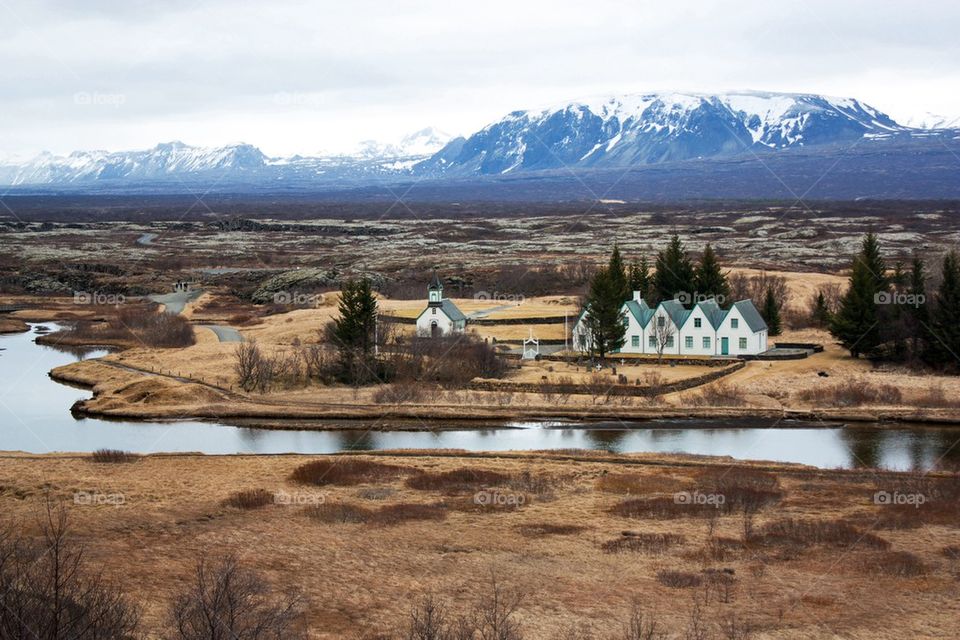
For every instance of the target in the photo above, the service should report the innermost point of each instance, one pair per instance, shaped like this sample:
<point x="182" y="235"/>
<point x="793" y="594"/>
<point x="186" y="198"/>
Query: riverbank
<point x="554" y="526"/>
<point x="123" y="392"/>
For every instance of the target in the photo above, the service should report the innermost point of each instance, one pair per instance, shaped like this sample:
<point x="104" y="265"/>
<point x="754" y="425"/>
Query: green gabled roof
<point x="713" y="312"/>
<point x="640" y="311"/>
<point x="677" y="312"/>
<point x="750" y="315"/>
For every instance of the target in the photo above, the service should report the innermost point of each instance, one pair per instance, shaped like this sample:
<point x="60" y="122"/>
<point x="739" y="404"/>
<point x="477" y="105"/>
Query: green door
<point x="724" y="346"/>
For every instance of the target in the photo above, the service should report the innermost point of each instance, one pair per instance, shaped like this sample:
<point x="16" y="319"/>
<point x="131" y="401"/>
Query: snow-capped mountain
<point x="928" y="120"/>
<point x="419" y="144"/>
<point x="165" y="161"/>
<point x="659" y="127"/>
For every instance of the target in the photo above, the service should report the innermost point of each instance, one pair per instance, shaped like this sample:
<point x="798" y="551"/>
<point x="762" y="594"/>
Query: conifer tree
<point x="945" y="339"/>
<point x="640" y="278"/>
<point x="919" y="311"/>
<point x="354" y="331"/>
<point x="674" y="272"/>
<point x="771" y="313"/>
<point x="618" y="274"/>
<point x="710" y="280"/>
<point x="821" y="313"/>
<point x="605" y="320"/>
<point x="857" y="322"/>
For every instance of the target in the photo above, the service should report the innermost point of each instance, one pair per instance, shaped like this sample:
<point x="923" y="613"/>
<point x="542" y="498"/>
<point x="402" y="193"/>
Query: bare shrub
<point x="492" y="617"/>
<point x="395" y="514"/>
<point x="544" y="529"/>
<point x="718" y="394"/>
<point x="229" y="601"/>
<point x="458" y="481"/>
<point x="338" y="513"/>
<point x="250" y="499"/>
<point x="143" y="324"/>
<point x="640" y="627"/>
<point x="643" y="543"/>
<point x="936" y="397"/>
<point x="113" y="456"/>
<point x="375" y="493"/>
<point x="852" y="393"/>
<point x="451" y="361"/>
<point x="247" y="363"/>
<point x="402" y="391"/>
<point x="345" y="471"/>
<point x="900" y="564"/>
<point x="47" y="591"/>
<point x="679" y="579"/>
<point x="805" y="533"/>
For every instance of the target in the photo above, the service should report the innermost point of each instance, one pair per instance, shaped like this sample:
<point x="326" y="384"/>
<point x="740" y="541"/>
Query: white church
<point x="441" y="317"/>
<point x="704" y="330"/>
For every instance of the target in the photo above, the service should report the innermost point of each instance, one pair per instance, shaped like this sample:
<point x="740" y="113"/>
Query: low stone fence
<point x="613" y="389"/>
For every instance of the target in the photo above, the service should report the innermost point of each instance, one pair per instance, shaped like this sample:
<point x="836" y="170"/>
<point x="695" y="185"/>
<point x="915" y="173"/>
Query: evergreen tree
<point x="355" y="330"/>
<point x="857" y="322"/>
<point x="618" y="274"/>
<point x="919" y="311"/>
<point x="605" y="320"/>
<point x="771" y="313"/>
<point x="821" y="313"/>
<point x="710" y="280"/>
<point x="674" y="272"/>
<point x="640" y="278"/>
<point x="945" y="342"/>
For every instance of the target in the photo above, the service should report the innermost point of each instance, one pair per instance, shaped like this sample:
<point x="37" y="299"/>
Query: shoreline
<point x="291" y="416"/>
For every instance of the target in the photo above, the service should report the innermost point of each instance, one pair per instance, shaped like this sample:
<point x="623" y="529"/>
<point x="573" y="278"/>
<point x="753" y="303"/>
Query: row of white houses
<point x="672" y="329"/>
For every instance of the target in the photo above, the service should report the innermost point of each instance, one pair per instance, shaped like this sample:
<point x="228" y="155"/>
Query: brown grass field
<point x="860" y="570"/>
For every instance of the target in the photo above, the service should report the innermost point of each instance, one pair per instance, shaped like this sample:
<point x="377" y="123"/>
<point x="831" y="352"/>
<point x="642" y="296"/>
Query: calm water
<point x="35" y="417"/>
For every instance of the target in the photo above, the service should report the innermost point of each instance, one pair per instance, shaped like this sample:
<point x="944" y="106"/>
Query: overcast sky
<point x="300" y="77"/>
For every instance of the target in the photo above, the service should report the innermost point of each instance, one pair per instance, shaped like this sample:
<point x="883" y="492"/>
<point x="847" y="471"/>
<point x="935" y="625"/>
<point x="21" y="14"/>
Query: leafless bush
<point x="679" y="579"/>
<point x="458" y="481"/>
<point x="852" y="393"/>
<point x="402" y="391"/>
<point x="805" y="533"/>
<point x="448" y="361"/>
<point x="345" y="471"/>
<point x="543" y="529"/>
<point x="229" y="601"/>
<point x="113" y="456"/>
<point x="338" y="513"/>
<point x="394" y="514"/>
<point x="139" y="323"/>
<point x="718" y="394"/>
<point x="901" y="564"/>
<point x="641" y="627"/>
<point x="48" y="593"/>
<point x="250" y="499"/>
<point x="643" y="543"/>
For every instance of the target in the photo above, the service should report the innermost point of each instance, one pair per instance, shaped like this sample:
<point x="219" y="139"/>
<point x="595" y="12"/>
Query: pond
<point x="35" y="417"/>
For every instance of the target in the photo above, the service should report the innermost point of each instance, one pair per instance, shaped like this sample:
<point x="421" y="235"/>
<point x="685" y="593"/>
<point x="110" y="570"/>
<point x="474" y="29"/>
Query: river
<point x="35" y="417"/>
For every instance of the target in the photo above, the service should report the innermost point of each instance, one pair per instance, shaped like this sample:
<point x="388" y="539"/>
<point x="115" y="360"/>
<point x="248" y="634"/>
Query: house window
<point x="670" y="341"/>
<point x="653" y="342"/>
<point x="706" y="342"/>
<point x="688" y="342"/>
<point x="661" y="321"/>
<point x="743" y="343"/>
<point x="734" y="323"/>
<point x="635" y="341"/>
<point x="697" y="322"/>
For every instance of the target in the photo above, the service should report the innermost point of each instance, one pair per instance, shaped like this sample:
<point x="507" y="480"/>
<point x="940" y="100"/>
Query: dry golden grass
<point x="361" y="566"/>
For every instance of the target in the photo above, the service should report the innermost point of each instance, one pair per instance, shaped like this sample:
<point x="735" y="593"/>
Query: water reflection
<point x="35" y="416"/>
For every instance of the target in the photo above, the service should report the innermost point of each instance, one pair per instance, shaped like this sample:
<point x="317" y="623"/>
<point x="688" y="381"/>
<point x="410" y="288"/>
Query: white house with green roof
<point x="441" y="317"/>
<point x="704" y="330"/>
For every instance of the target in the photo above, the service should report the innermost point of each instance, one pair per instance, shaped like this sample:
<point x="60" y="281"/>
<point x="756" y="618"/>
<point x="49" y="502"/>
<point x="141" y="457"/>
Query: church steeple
<point x="435" y="290"/>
